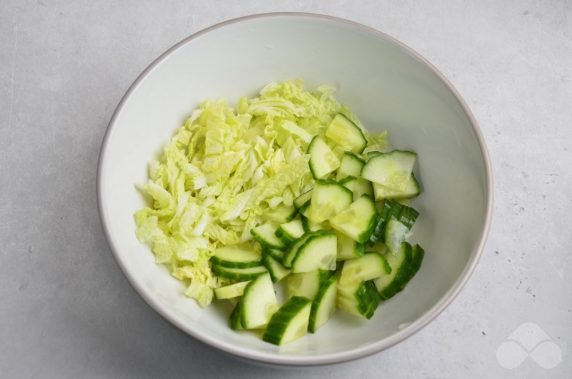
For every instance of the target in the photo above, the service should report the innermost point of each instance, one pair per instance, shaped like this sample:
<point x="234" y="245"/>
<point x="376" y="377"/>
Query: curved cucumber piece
<point x="358" y="220"/>
<point x="258" y="303"/>
<point x="391" y="170"/>
<point x="390" y="208"/>
<point x="306" y="284"/>
<point x="317" y="253"/>
<point x="359" y="186"/>
<point x="395" y="234"/>
<point x="346" y="134"/>
<point x="293" y="250"/>
<point x="348" y="248"/>
<point x="351" y="166"/>
<point x="323" y="161"/>
<point x="238" y="273"/>
<point x="266" y="235"/>
<point x="281" y="214"/>
<point x="410" y="189"/>
<point x="360" y="299"/>
<point x="290" y="231"/>
<point x="235" y="318"/>
<point x="290" y="322"/>
<point x="274" y="253"/>
<point x="275" y="268"/>
<point x="303" y="199"/>
<point x="235" y="256"/>
<point x="230" y="291"/>
<point x="328" y="199"/>
<point x="401" y="264"/>
<point x="368" y="267"/>
<point x="323" y="305"/>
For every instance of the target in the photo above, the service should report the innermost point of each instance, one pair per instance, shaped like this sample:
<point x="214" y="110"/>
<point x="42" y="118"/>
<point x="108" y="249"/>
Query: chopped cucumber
<point x="235" y="318"/>
<point x="359" y="186"/>
<point x="293" y="250"/>
<point x="328" y="199"/>
<point x="281" y="214"/>
<point x="303" y="199"/>
<point x="290" y="322"/>
<point x="370" y="266"/>
<point x="274" y="253"/>
<point x="390" y="208"/>
<point x="358" y="220"/>
<point x="401" y="264"/>
<point x="290" y="231"/>
<point x="395" y="234"/>
<point x="230" y="291"/>
<point x="323" y="160"/>
<point x="323" y="305"/>
<point x="351" y="166"/>
<point x="305" y="284"/>
<point x="409" y="190"/>
<point x="236" y="257"/>
<point x="238" y="273"/>
<point x="391" y="170"/>
<point x="317" y="253"/>
<point x="346" y="134"/>
<point x="348" y="248"/>
<point x="258" y="303"/>
<point x="360" y="298"/>
<point x="275" y="268"/>
<point x="309" y="226"/>
<point x="265" y="234"/>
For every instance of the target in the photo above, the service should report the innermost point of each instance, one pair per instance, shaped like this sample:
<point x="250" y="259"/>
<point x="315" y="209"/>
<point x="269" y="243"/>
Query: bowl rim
<point x="323" y="359"/>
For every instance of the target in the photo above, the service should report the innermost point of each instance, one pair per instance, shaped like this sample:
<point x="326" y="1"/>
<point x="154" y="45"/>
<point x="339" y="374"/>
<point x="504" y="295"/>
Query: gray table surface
<point x="66" y="310"/>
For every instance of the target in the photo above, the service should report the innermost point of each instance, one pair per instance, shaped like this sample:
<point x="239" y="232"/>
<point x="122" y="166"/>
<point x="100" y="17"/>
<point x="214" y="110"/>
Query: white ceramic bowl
<point x="387" y="85"/>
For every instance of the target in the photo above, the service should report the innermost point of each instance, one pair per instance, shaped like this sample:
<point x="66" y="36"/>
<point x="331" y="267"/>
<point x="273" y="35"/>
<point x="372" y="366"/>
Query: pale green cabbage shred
<point x="224" y="168"/>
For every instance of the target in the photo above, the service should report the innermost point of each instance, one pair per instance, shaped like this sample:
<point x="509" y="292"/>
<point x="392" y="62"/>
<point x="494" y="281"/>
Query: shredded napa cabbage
<point x="224" y="169"/>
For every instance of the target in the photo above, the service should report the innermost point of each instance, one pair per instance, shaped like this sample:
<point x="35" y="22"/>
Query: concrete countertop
<point x="66" y="310"/>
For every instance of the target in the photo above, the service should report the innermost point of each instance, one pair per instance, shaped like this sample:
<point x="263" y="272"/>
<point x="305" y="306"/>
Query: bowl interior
<point x="387" y="87"/>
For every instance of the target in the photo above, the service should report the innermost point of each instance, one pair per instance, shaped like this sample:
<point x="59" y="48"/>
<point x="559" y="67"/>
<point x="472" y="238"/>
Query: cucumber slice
<point x="309" y="226"/>
<point x="390" y="208"/>
<point x="239" y="274"/>
<point x="323" y="305"/>
<point x="290" y="322"/>
<point x="305" y="284"/>
<point x="317" y="253"/>
<point x="351" y="165"/>
<point x="348" y="248"/>
<point x="274" y="253"/>
<point x="359" y="186"/>
<point x="370" y="266"/>
<point x="235" y="318"/>
<point x="236" y="257"/>
<point x="391" y="170"/>
<point x="410" y="189"/>
<point x="258" y="303"/>
<point x="290" y="231"/>
<point x="346" y="134"/>
<point x="358" y="220"/>
<point x="395" y="234"/>
<point x="328" y="199"/>
<point x="303" y="199"/>
<point x="230" y="291"/>
<point x="360" y="299"/>
<point x="265" y="234"/>
<point x="401" y="264"/>
<point x="281" y="214"/>
<point x="275" y="268"/>
<point x="293" y="250"/>
<point x="323" y="161"/>
<point x="417" y="255"/>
